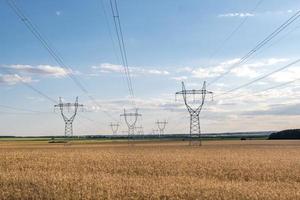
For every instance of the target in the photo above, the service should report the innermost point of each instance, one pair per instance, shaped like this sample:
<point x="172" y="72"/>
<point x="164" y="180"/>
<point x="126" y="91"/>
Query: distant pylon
<point x="124" y="132"/>
<point x="161" y="126"/>
<point x="155" y="131"/>
<point x="131" y="119"/>
<point x="114" y="127"/>
<point x="68" y="119"/>
<point x="140" y="131"/>
<point x="194" y="112"/>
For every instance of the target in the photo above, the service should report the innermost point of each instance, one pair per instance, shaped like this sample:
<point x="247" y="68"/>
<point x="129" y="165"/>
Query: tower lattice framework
<point x="195" y="130"/>
<point x="69" y="107"/>
<point x="114" y="127"/>
<point x="161" y="126"/>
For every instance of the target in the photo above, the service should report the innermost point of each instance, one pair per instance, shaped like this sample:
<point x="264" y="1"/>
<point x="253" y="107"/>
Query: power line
<point x="259" y="45"/>
<point x="38" y="92"/>
<point x="21" y="113"/>
<point x="276" y="41"/>
<point x="271" y="88"/>
<point x="117" y="16"/>
<point x="29" y="85"/>
<point x="111" y="37"/>
<point x="34" y="30"/>
<point x="231" y="34"/>
<point x="109" y="31"/>
<point x="261" y="77"/>
<point x="25" y="111"/>
<point x="121" y="43"/>
<point x="279" y="85"/>
<point x="22" y="109"/>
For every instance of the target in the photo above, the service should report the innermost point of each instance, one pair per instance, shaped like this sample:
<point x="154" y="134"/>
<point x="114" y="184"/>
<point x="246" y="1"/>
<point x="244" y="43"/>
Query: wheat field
<point x="152" y="170"/>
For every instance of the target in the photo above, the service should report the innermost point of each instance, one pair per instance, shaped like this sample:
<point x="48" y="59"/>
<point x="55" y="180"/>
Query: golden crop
<point x="217" y="170"/>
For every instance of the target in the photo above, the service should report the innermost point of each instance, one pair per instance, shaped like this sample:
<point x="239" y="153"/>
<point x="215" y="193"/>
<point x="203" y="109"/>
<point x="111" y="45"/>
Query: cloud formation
<point x="249" y="14"/>
<point x="13" y="79"/>
<point x="163" y="103"/>
<point x="24" y="73"/>
<point x="287" y="75"/>
<point x="39" y="70"/>
<point x="237" y="14"/>
<point x="250" y="70"/>
<point x="180" y="78"/>
<point x="135" y="71"/>
<point x="277" y="109"/>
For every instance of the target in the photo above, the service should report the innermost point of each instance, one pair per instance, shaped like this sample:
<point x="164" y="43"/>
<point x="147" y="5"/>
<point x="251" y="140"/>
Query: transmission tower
<point x="155" y="131"/>
<point x="114" y="127"/>
<point x="139" y="130"/>
<point x="70" y="108"/>
<point x="161" y="126"/>
<point x="124" y="132"/>
<point x="194" y="111"/>
<point x="131" y="119"/>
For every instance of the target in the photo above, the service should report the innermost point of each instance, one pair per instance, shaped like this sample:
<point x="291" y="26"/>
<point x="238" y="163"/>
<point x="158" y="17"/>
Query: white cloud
<point x="248" y="14"/>
<point x="273" y="61"/>
<point x="206" y="72"/>
<point x="159" y="72"/>
<point x="278" y="12"/>
<point x="179" y="78"/>
<point x="277" y="109"/>
<point x="41" y="70"/>
<point x="287" y="75"/>
<point x="250" y="70"/>
<point x="13" y="79"/>
<point x="109" y="68"/>
<point x="265" y="62"/>
<point x="237" y="14"/>
<point x="184" y="69"/>
<point x="245" y="71"/>
<point x="146" y="104"/>
<point x="213" y="71"/>
<point x="112" y="68"/>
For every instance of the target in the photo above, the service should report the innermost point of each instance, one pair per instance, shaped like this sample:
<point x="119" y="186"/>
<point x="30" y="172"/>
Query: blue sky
<point x="167" y="42"/>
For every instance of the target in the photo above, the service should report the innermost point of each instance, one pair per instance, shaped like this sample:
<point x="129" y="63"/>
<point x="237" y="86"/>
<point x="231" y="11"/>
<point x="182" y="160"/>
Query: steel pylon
<point x="114" y="127"/>
<point x="161" y="126"/>
<point x="68" y="119"/>
<point x="195" y="130"/>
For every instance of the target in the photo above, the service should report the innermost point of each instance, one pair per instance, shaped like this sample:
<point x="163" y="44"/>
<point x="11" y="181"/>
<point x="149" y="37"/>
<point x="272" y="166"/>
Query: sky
<point x="166" y="42"/>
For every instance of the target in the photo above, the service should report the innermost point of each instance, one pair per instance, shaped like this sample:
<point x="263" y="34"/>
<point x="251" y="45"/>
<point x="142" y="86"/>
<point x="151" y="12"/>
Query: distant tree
<point x="293" y="134"/>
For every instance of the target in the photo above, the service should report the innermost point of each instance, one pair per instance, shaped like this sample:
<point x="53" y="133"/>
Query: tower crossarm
<point x="161" y="124"/>
<point x="127" y="115"/>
